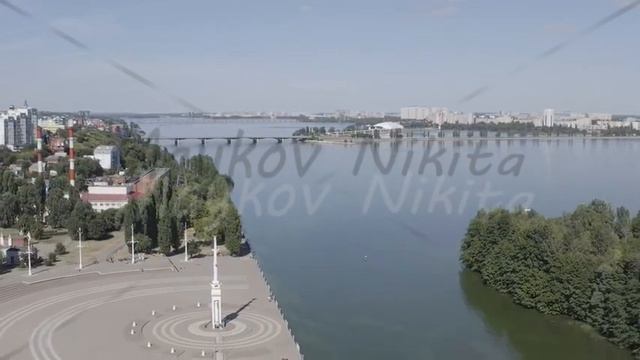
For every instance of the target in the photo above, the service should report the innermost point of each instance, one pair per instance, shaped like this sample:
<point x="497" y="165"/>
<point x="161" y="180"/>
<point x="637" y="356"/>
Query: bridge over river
<point x="254" y="139"/>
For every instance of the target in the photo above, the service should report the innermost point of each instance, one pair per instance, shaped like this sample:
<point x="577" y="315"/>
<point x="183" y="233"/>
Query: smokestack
<point x="39" y="149"/>
<point x="72" y="156"/>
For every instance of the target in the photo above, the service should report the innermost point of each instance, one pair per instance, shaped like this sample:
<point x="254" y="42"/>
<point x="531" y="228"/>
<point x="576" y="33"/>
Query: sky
<point x="320" y="55"/>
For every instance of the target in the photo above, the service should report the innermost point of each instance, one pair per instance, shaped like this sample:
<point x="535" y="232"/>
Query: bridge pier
<point x="228" y="141"/>
<point x="254" y="140"/>
<point x="175" y="142"/>
<point x="202" y="142"/>
<point x="279" y="140"/>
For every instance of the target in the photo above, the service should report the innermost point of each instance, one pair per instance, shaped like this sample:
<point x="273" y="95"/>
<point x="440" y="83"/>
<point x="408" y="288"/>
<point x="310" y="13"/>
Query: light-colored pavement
<point x="66" y="314"/>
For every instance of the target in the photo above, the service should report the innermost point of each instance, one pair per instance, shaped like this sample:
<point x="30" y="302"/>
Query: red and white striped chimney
<point x="39" y="149"/>
<point x="72" y="156"/>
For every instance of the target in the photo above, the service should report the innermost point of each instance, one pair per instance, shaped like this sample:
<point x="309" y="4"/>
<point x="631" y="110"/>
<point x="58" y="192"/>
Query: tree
<point x="143" y="244"/>
<point x="164" y="231"/>
<point x="194" y="248"/>
<point x="29" y="224"/>
<point x="88" y="168"/>
<point x="130" y="218"/>
<point x="98" y="227"/>
<point x="623" y="222"/>
<point x="232" y="230"/>
<point x="8" y="182"/>
<point x="28" y="196"/>
<point x="9" y="210"/>
<point x="58" y="208"/>
<point x="635" y="226"/>
<point x="80" y="218"/>
<point x="113" y="219"/>
<point x="148" y="219"/>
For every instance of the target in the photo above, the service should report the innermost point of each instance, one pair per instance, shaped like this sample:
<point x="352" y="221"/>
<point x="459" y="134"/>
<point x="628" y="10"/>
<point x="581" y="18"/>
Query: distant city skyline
<point x="313" y="56"/>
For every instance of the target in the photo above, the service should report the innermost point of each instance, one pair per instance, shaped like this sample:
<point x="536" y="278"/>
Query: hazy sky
<point x="321" y="55"/>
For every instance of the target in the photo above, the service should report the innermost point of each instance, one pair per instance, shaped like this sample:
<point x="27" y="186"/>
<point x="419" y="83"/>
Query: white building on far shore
<point x="386" y="130"/>
<point x="548" y="118"/>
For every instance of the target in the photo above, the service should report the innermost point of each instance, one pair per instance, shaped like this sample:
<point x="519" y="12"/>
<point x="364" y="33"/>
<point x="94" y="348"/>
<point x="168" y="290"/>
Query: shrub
<point x="60" y="249"/>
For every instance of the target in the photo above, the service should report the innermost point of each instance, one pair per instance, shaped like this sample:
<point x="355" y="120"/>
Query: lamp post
<point x="80" y="247"/>
<point x="29" y="252"/>
<point x="186" y="250"/>
<point x="133" y="250"/>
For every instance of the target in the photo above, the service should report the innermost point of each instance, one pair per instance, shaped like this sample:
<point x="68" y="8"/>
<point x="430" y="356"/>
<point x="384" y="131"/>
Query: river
<point x="361" y="244"/>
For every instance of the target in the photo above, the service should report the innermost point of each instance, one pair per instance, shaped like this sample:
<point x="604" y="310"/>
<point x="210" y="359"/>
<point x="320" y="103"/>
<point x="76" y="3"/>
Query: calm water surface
<point x="364" y="258"/>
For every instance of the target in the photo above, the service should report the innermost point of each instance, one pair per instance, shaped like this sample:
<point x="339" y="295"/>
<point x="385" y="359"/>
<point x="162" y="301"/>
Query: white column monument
<point x="216" y="291"/>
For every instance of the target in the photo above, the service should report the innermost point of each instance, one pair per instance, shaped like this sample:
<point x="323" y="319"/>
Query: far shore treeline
<point x="585" y="264"/>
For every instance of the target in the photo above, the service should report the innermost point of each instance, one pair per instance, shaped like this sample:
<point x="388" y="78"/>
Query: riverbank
<point x="350" y="140"/>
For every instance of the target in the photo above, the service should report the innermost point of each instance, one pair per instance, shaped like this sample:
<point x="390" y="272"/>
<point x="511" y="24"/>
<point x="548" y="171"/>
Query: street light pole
<point x="133" y="250"/>
<point x="80" y="247"/>
<point x="186" y="250"/>
<point x="29" y="252"/>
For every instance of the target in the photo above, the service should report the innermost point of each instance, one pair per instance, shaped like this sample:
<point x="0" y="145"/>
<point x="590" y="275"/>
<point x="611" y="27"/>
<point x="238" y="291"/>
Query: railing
<point x="273" y="299"/>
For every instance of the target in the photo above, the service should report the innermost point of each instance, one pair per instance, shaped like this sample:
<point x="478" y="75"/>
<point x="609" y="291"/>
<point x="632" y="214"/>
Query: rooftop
<point x="104" y="149"/>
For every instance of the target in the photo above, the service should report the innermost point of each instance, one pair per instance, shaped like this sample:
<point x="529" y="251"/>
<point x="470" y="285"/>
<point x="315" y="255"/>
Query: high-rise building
<point x="414" y="113"/>
<point x="3" y="121"/>
<point x="548" y="118"/>
<point x="18" y="126"/>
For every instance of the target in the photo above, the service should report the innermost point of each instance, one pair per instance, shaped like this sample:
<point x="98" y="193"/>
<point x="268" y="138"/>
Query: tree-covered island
<point x="584" y="265"/>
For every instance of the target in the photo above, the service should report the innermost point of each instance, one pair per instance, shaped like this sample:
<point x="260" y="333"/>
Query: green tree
<point x="164" y="231"/>
<point x="148" y="218"/>
<point x="28" y="224"/>
<point x="143" y="244"/>
<point x="635" y="226"/>
<point x="80" y="218"/>
<point x="130" y="218"/>
<point x="194" y="248"/>
<point x="623" y="222"/>
<point x="113" y="219"/>
<point x="9" y="210"/>
<point x="8" y="182"/>
<point x="232" y="228"/>
<point x="98" y="228"/>
<point x="58" y="208"/>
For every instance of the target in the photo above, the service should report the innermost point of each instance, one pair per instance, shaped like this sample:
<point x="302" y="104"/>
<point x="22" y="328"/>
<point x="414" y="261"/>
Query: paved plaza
<point x="157" y="309"/>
